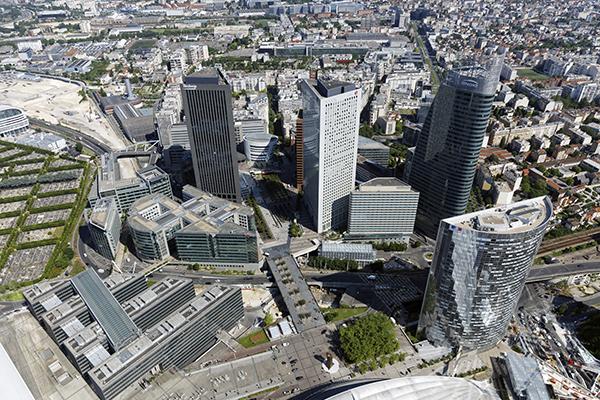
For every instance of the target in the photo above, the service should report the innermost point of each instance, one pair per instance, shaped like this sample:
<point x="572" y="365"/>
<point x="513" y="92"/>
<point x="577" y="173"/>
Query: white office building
<point x="13" y="121"/>
<point x="331" y="119"/>
<point x="382" y="209"/>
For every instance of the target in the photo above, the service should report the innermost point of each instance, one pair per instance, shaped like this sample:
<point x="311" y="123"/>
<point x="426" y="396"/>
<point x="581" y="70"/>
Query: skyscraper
<point x="331" y="117"/>
<point x="209" y="119"/>
<point x="444" y="162"/>
<point x="478" y="272"/>
<point x="104" y="225"/>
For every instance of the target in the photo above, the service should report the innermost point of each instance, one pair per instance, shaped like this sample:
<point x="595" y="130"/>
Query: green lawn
<point x="342" y="313"/>
<point x="531" y="74"/>
<point x="150" y="282"/>
<point x="254" y="339"/>
<point x="12" y="296"/>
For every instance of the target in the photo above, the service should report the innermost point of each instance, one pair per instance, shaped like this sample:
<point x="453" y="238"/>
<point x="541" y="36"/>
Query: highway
<point x="547" y="272"/>
<point x="72" y="134"/>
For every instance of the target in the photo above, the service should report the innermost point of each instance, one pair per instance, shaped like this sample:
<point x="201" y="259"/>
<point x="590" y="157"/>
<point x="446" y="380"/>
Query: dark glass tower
<point x="443" y="166"/>
<point x="209" y="118"/>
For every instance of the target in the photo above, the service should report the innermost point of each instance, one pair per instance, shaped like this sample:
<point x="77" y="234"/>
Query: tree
<point x="367" y="338"/>
<point x="268" y="319"/>
<point x="79" y="147"/>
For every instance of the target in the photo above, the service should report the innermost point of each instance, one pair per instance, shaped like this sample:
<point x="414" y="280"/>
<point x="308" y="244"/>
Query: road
<point x="547" y="272"/>
<point x="72" y="134"/>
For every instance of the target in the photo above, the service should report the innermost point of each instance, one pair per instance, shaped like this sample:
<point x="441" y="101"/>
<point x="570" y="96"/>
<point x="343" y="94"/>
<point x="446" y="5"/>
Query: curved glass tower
<point x="478" y="273"/>
<point x="445" y="158"/>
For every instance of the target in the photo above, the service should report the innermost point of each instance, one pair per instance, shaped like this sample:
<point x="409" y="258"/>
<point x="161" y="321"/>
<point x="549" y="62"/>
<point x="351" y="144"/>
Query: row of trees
<point x="330" y="263"/>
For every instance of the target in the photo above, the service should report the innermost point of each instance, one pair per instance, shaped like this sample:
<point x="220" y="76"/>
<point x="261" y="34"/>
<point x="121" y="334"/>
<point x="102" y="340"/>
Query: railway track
<point x="575" y="239"/>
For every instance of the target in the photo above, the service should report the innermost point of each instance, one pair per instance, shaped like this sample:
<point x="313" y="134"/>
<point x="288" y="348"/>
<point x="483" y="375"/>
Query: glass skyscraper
<point x="443" y="166"/>
<point x="478" y="272"/>
<point x="209" y="118"/>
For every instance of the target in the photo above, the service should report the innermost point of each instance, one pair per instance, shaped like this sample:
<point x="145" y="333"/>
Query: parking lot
<point x="25" y="265"/>
<point x="47" y="216"/>
<point x="14" y="206"/>
<point x="18" y="191"/>
<point x="37" y="234"/>
<point x="28" y="167"/>
<point x="55" y="186"/>
<point x="7" y="222"/>
<point x="54" y="200"/>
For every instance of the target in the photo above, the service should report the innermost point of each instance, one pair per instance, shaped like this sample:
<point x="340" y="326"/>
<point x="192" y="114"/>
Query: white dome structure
<point x="12" y="121"/>
<point x="410" y="388"/>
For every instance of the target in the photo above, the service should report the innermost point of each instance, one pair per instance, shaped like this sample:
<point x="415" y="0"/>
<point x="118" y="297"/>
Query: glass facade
<point x="478" y="273"/>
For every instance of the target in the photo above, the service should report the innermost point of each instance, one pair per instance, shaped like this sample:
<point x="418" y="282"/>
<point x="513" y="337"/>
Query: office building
<point x="89" y="346"/>
<point x="104" y="225"/>
<point x="382" y="209"/>
<point x="444" y="162"/>
<point x="129" y="175"/>
<point x="116" y="332"/>
<point x="373" y="150"/>
<point x="203" y="229"/>
<point x="478" y="272"/>
<point x="331" y="118"/>
<point x="13" y="121"/>
<point x="209" y="120"/>
<point x="520" y="377"/>
<point x="299" y="146"/>
<point x="258" y="147"/>
<point x="174" y="342"/>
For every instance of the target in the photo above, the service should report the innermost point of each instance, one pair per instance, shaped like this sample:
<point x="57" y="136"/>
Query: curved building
<point x="12" y="121"/>
<point x="478" y="273"/>
<point x="409" y="388"/>
<point x="445" y="158"/>
<point x="258" y="147"/>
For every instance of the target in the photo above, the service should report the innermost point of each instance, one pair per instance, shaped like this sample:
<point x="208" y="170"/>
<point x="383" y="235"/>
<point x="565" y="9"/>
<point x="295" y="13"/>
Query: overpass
<point x="547" y="272"/>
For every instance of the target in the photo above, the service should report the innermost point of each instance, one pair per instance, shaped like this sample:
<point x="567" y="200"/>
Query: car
<point x="371" y="277"/>
<point x="294" y="369"/>
<point x="299" y="378"/>
<point x="285" y="344"/>
<point x="287" y="392"/>
<point x="283" y="363"/>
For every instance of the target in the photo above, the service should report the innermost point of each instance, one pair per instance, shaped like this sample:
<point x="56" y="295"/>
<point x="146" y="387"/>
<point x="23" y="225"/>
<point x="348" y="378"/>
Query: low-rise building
<point x="362" y="253"/>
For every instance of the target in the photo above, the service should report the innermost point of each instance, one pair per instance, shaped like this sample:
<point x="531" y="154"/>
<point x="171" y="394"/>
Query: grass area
<point x="342" y="313"/>
<point x="529" y="73"/>
<point x="78" y="267"/>
<point x="150" y="282"/>
<point x="12" y="296"/>
<point x="254" y="339"/>
<point x="262" y="392"/>
<point x="143" y="44"/>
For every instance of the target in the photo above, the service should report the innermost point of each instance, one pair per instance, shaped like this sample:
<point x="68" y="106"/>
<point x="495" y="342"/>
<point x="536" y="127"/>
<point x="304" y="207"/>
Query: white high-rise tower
<point x="331" y="111"/>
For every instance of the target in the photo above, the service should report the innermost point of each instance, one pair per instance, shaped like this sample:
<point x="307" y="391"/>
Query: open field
<point x="58" y="102"/>
<point x="531" y="74"/>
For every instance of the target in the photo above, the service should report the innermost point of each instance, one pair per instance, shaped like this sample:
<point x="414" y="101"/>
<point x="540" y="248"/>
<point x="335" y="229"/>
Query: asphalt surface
<point x="547" y="272"/>
<point x="95" y="145"/>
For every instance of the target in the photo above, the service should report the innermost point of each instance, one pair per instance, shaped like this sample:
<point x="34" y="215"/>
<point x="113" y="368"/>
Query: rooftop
<point x="517" y="217"/>
<point x="119" y="328"/>
<point x="385" y="184"/>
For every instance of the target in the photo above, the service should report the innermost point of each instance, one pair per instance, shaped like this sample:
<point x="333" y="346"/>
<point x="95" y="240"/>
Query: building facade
<point x="382" y="209"/>
<point x="331" y="111"/>
<point x="12" y="121"/>
<point x="104" y="225"/>
<point x="478" y="272"/>
<point x="444" y="162"/>
<point x="203" y="229"/>
<point x="209" y="119"/>
<point x="258" y="147"/>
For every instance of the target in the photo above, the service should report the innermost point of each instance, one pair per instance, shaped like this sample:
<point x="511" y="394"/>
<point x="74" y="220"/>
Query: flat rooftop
<point x="118" y="326"/>
<point x="385" y="184"/>
<point x="514" y="218"/>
